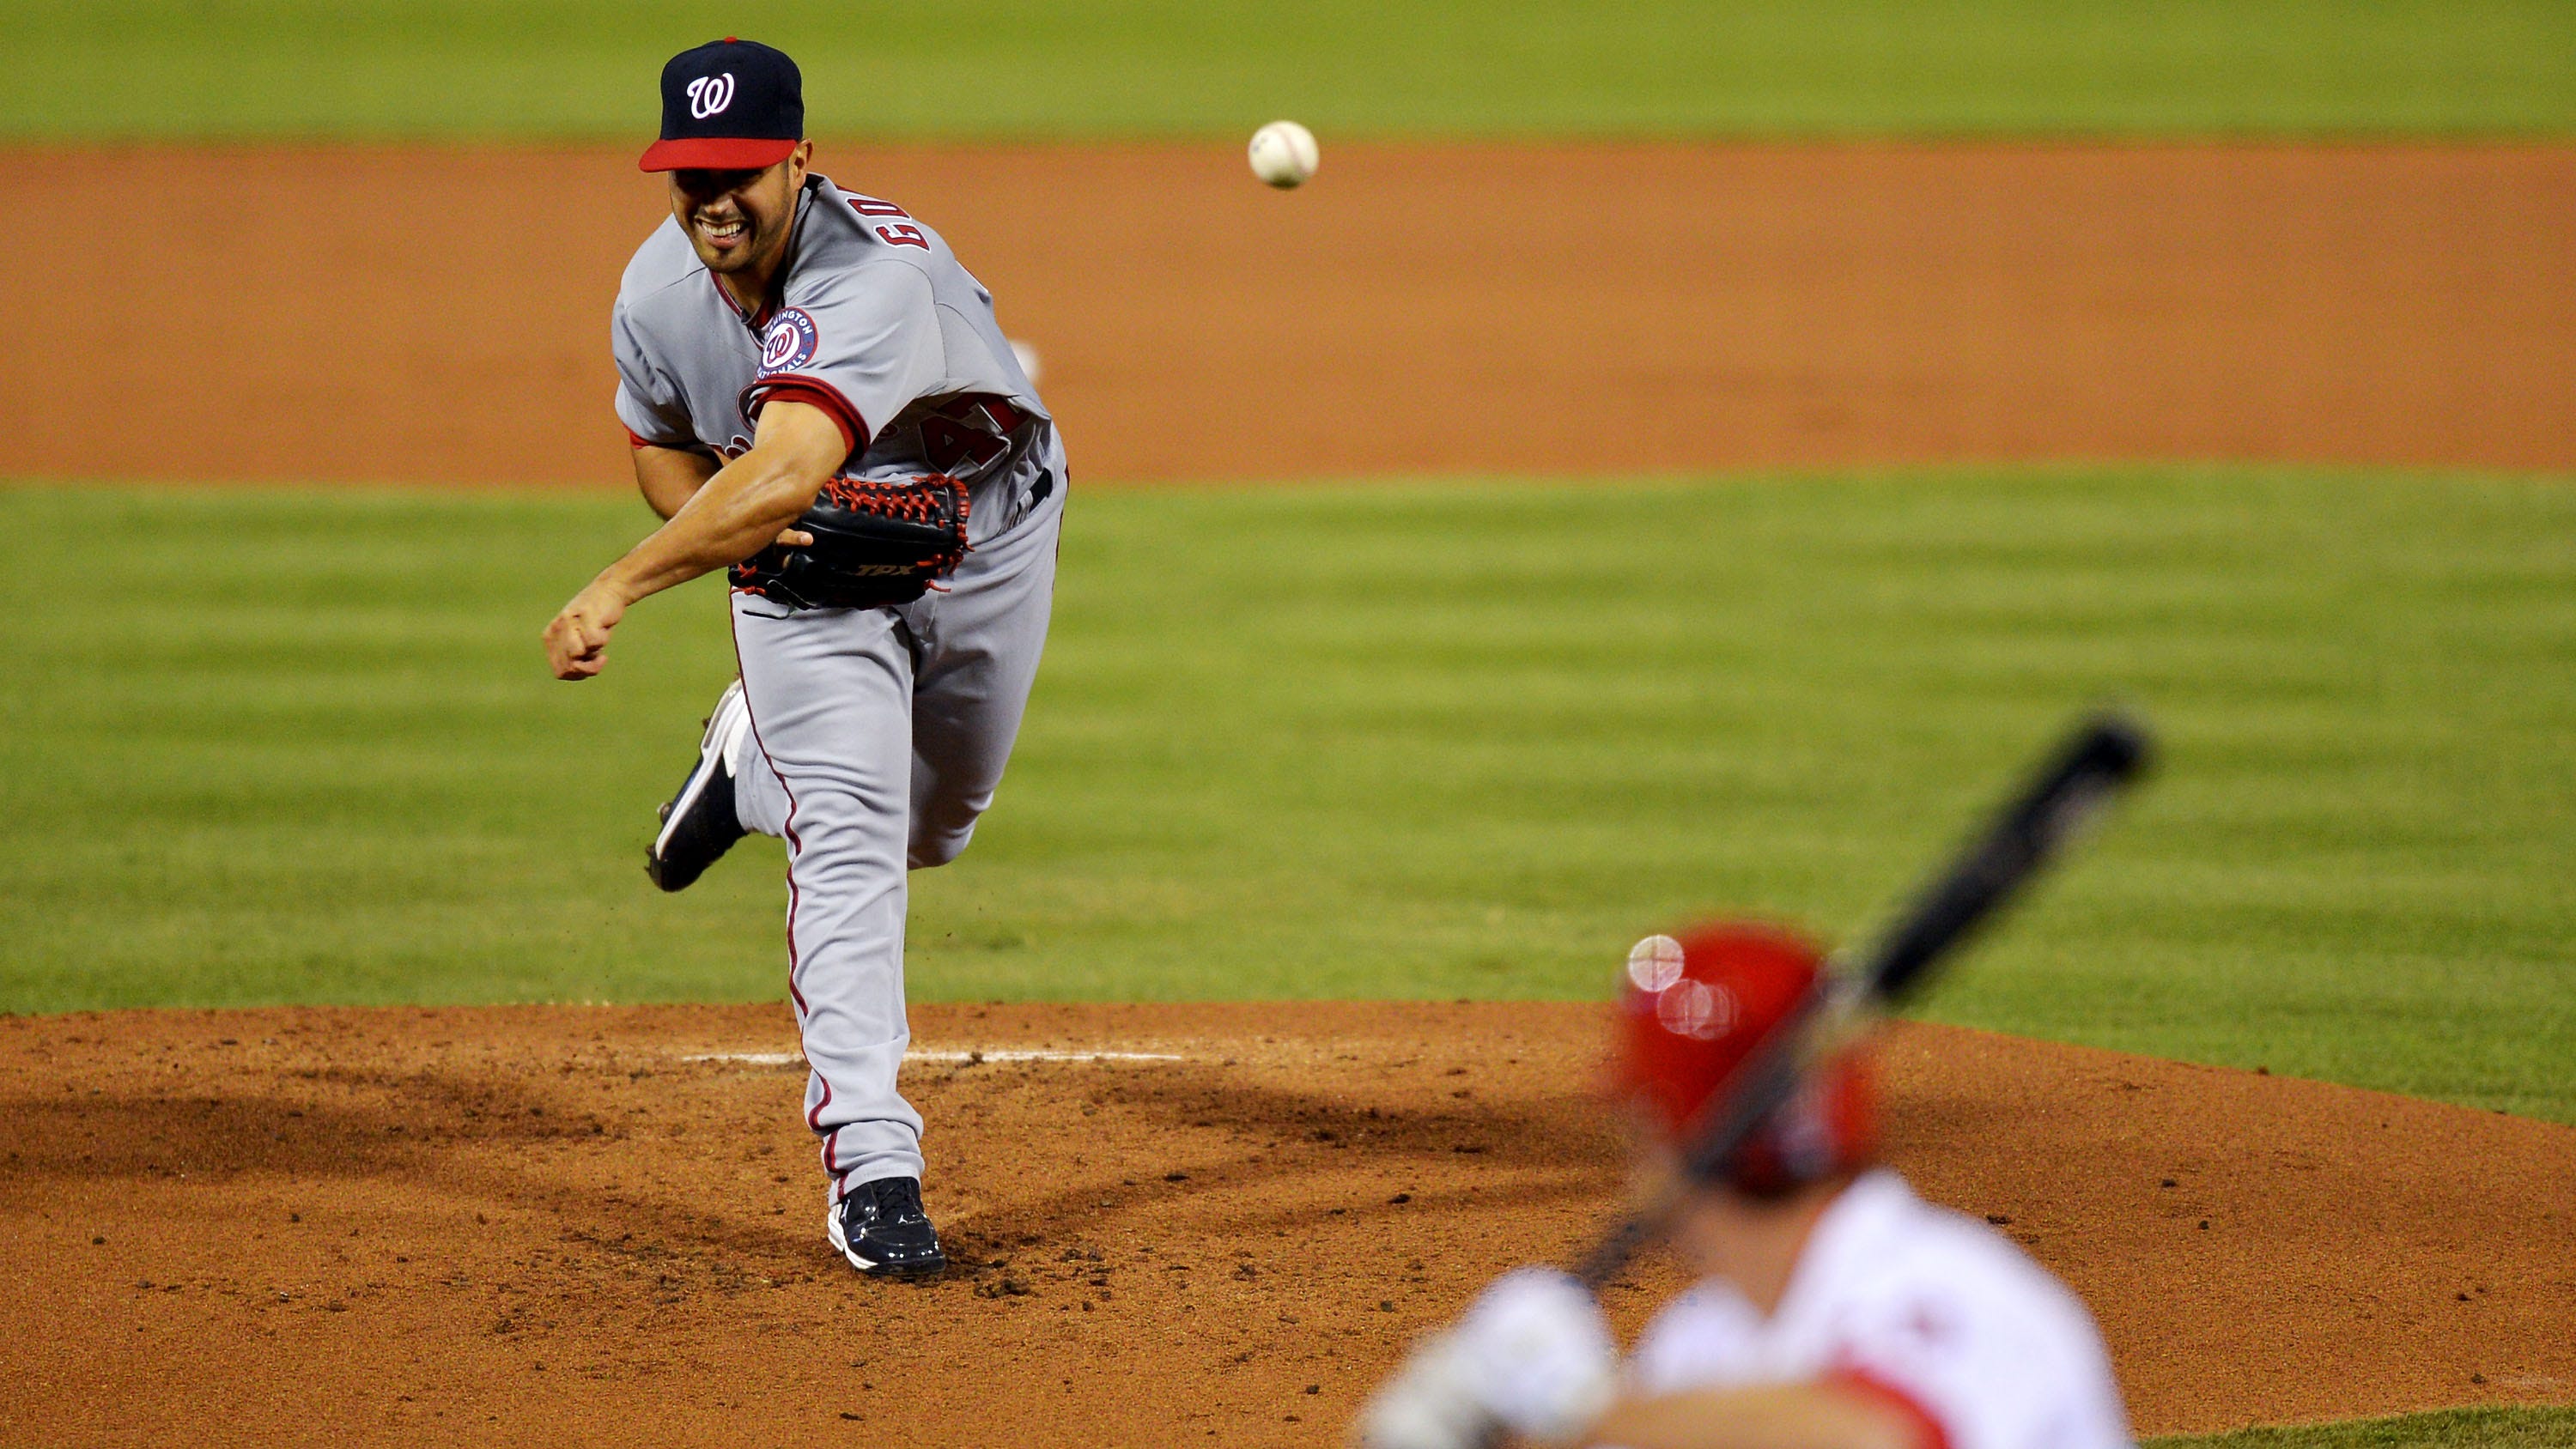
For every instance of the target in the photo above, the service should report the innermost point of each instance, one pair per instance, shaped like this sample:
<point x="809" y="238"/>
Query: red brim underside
<point x="715" y="153"/>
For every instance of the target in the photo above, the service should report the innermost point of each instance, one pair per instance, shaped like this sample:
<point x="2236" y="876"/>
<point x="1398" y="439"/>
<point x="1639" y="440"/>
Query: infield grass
<point x="2450" y="1429"/>
<point x="501" y="69"/>
<point x="1450" y="740"/>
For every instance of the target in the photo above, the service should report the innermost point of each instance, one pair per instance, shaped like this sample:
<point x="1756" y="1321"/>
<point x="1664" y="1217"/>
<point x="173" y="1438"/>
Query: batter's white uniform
<point x="1932" y="1309"/>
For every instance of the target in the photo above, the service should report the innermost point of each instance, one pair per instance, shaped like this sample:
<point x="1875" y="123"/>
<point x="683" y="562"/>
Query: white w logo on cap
<point x="710" y="94"/>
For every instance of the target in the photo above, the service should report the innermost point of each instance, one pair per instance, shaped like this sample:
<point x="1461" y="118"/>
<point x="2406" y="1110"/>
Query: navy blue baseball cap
<point x="728" y="105"/>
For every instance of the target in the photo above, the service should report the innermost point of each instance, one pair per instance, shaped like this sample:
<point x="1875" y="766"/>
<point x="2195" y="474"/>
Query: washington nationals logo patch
<point x="710" y="94"/>
<point x="789" y="343"/>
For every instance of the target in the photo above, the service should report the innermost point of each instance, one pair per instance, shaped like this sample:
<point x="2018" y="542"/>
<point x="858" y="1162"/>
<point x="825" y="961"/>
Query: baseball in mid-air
<point x="1283" y="154"/>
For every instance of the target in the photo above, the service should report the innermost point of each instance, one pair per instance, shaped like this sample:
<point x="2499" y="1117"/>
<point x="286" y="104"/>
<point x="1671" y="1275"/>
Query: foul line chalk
<point x="1037" y="1056"/>
<point x="781" y="1059"/>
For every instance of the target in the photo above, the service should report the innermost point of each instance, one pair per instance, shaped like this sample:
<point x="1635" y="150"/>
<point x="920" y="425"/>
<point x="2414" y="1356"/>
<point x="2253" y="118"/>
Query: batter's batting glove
<point x="1533" y="1357"/>
<point x="1432" y="1403"/>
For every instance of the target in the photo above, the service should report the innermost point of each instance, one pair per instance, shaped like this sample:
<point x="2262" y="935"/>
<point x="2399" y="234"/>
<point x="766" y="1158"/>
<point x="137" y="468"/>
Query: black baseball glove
<point x="877" y="541"/>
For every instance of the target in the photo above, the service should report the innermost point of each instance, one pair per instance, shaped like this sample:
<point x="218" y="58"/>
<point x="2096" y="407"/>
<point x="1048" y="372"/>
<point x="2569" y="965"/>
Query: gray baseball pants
<point x="880" y="735"/>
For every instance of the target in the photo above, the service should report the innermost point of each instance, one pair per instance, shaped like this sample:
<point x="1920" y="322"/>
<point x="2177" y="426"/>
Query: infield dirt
<point x="603" y="1225"/>
<point x="440" y="315"/>
<point x="592" y="1225"/>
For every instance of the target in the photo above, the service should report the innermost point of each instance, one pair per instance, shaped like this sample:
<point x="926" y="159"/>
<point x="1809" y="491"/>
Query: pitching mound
<point x="1178" y="1224"/>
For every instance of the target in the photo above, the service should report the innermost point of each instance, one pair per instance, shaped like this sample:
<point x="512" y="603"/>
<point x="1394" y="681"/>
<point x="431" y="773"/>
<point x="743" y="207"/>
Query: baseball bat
<point x="2104" y="755"/>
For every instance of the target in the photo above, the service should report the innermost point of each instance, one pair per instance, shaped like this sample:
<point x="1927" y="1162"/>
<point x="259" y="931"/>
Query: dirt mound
<point x="441" y="314"/>
<point x="579" y="1225"/>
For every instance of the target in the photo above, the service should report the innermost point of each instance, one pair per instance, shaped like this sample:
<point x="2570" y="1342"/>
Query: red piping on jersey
<point x="758" y="321"/>
<point x="638" y="441"/>
<point x="795" y="898"/>
<point x="1929" y="1431"/>
<point x="730" y="304"/>
<point x="813" y="391"/>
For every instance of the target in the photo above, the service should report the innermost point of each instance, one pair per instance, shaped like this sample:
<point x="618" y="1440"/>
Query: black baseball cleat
<point x="882" y="1230"/>
<point x="699" y="824"/>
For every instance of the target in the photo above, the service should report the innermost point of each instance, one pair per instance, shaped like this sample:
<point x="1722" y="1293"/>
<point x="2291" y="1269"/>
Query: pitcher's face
<point x="739" y="220"/>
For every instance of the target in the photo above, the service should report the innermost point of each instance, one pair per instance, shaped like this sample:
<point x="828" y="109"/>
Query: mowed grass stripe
<point x="1443" y="740"/>
<point x="1216" y="68"/>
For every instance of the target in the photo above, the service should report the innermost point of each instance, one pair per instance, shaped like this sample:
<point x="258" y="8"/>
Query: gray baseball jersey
<point x="878" y="325"/>
<point x="878" y="735"/>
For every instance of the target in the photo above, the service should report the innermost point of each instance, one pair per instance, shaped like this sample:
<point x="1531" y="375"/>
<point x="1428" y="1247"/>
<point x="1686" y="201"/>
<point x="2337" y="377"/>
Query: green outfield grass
<point x="584" y="68"/>
<point x="2453" y="1429"/>
<point x="1401" y="741"/>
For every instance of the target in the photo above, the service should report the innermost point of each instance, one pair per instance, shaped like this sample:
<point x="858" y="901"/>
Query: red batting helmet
<point x="1693" y="1009"/>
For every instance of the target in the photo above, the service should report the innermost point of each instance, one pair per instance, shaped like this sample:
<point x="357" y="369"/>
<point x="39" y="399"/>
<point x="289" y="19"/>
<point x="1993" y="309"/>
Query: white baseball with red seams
<point x="1283" y="154"/>
<point x="879" y="734"/>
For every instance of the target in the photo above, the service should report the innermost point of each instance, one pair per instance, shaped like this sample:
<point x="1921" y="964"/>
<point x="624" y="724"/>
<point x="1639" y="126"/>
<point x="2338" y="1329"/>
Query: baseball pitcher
<point x="821" y="402"/>
<point x="1835" y="1309"/>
